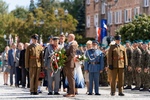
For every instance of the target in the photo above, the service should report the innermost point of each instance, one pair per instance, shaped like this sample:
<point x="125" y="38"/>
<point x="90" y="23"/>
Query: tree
<point x="20" y="12"/>
<point x="3" y="7"/>
<point x="32" y="6"/>
<point x="139" y="28"/>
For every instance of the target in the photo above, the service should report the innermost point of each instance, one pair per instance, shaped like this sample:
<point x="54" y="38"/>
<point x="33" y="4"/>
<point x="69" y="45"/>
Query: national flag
<point x="98" y="34"/>
<point x="105" y="26"/>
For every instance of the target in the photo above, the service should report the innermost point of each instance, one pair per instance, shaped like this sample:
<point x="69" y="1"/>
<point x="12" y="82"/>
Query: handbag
<point x="42" y="75"/>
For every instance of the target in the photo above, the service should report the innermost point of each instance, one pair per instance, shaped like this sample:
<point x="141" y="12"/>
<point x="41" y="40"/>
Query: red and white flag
<point x="98" y="34"/>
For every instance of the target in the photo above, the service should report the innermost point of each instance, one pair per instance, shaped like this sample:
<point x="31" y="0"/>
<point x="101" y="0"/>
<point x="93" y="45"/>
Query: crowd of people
<point x="115" y="65"/>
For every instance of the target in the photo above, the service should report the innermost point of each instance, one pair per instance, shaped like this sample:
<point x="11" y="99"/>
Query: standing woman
<point x="5" y="65"/>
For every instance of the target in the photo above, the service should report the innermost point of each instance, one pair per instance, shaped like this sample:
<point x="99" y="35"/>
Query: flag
<point x="105" y="26"/>
<point x="98" y="34"/>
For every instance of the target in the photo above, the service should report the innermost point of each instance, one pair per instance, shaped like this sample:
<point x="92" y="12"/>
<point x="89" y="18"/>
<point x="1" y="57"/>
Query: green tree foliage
<point x="20" y="12"/>
<point x="139" y="28"/>
<point x="3" y="7"/>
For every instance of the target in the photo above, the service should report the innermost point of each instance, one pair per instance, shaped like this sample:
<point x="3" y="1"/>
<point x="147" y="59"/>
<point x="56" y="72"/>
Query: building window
<point x="88" y="21"/>
<point x="96" y="20"/>
<point x="96" y="1"/>
<point x="110" y="17"/>
<point x="146" y="3"/>
<point x="88" y="2"/>
<point x="118" y="17"/>
<point x="128" y="15"/>
<point x="136" y="11"/>
<point x="103" y="8"/>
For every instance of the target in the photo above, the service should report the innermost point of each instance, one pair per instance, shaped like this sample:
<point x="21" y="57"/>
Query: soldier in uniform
<point x="34" y="63"/>
<point x="117" y="60"/>
<point x="136" y="62"/>
<point x="129" y="69"/>
<point x="145" y="67"/>
<point x="94" y="66"/>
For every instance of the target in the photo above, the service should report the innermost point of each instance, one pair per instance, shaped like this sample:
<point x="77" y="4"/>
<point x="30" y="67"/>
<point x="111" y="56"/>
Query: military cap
<point x="145" y="42"/>
<point x="140" y="41"/>
<point x="55" y="38"/>
<point x="80" y="45"/>
<point x="94" y="41"/>
<point x="117" y="37"/>
<point x="35" y="36"/>
<point x="50" y="37"/>
<point x="135" y="41"/>
<point x="127" y="41"/>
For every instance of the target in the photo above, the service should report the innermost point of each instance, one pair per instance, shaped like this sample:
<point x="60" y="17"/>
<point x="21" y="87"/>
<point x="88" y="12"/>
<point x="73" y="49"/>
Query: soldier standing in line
<point x="145" y="59"/>
<point x="136" y="62"/>
<point x="117" y="60"/>
<point x="34" y="63"/>
<point x="129" y="69"/>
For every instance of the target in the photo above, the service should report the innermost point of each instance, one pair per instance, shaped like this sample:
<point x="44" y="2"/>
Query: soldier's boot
<point x="136" y="88"/>
<point x="144" y="89"/>
<point x="141" y="86"/>
<point x="121" y="94"/>
<point x="128" y="87"/>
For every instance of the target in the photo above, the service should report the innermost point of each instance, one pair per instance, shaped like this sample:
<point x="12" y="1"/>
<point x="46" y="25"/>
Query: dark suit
<point x="11" y="64"/>
<point x="69" y="67"/>
<point x="24" y="72"/>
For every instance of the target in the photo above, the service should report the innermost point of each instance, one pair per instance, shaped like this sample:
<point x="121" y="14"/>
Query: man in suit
<point x="34" y="61"/>
<point x="94" y="66"/>
<point x="69" y="65"/>
<point x="17" y="68"/>
<point x="24" y="72"/>
<point x="117" y="60"/>
<point x="11" y="61"/>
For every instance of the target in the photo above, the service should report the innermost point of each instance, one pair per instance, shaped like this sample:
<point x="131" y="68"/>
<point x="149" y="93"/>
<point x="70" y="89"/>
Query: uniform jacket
<point x="94" y="56"/>
<point x="145" y="59"/>
<point x="17" y="58"/>
<point x="22" y="58"/>
<point x="129" y="55"/>
<point x="117" y="56"/>
<point x="34" y="56"/>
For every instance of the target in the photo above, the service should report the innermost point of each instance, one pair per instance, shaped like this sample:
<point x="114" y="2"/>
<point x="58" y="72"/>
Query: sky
<point x="13" y="3"/>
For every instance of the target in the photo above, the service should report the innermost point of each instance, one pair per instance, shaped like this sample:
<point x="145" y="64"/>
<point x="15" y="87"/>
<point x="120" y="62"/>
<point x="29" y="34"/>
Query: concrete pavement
<point x="12" y="93"/>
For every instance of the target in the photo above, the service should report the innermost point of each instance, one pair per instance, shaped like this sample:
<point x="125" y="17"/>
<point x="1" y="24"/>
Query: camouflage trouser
<point x="103" y="77"/>
<point x="137" y="77"/>
<point x="128" y="77"/>
<point x="145" y="78"/>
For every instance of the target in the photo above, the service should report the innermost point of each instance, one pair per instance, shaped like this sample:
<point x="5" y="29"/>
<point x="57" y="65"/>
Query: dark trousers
<point x="25" y="74"/>
<point x="12" y="71"/>
<point x="17" y="76"/>
<point x="62" y="79"/>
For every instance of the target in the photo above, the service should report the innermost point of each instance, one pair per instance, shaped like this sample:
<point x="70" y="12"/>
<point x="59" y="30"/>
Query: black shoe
<point x="11" y="85"/>
<point x="39" y="91"/>
<point x="32" y="93"/>
<point x="144" y="89"/>
<point x="90" y="94"/>
<point x="112" y="94"/>
<point x="23" y="86"/>
<point x="97" y="94"/>
<point x="121" y="94"/>
<point x="35" y="93"/>
<point x="128" y="87"/>
<point x="136" y="88"/>
<point x="56" y="93"/>
<point x="141" y="86"/>
<point x="76" y="93"/>
<point x="50" y="93"/>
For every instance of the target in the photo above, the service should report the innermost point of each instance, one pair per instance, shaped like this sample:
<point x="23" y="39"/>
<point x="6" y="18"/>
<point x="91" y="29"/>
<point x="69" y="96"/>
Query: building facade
<point x="124" y="11"/>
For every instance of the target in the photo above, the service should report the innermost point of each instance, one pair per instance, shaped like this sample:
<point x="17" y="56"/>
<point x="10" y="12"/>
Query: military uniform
<point x="94" y="65"/>
<point x="145" y="73"/>
<point x="34" y="61"/>
<point x="129" y="69"/>
<point x="136" y="63"/>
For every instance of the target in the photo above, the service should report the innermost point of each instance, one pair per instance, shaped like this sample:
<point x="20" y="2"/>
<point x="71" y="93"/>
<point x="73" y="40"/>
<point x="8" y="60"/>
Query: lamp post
<point x="5" y="38"/>
<point x="40" y="23"/>
<point x="60" y="18"/>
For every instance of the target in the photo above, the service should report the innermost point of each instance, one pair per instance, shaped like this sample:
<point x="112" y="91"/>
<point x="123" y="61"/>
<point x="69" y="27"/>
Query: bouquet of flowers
<point x="57" y="60"/>
<point x="80" y="58"/>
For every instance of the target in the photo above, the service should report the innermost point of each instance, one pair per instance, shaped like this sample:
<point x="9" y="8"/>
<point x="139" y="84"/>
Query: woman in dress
<point x="5" y="65"/>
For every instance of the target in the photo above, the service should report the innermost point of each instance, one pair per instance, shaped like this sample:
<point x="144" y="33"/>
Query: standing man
<point x="34" y="62"/>
<point x="11" y="61"/>
<point x="17" y="68"/>
<point x="70" y="65"/>
<point x="24" y="72"/>
<point x="129" y="70"/>
<point x="117" y="60"/>
<point x="94" y="66"/>
<point x="136" y="62"/>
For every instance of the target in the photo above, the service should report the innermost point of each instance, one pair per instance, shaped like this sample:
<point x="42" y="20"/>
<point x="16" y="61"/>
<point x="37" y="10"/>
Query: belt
<point x="33" y="57"/>
<point x="120" y="58"/>
<point x="94" y="63"/>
